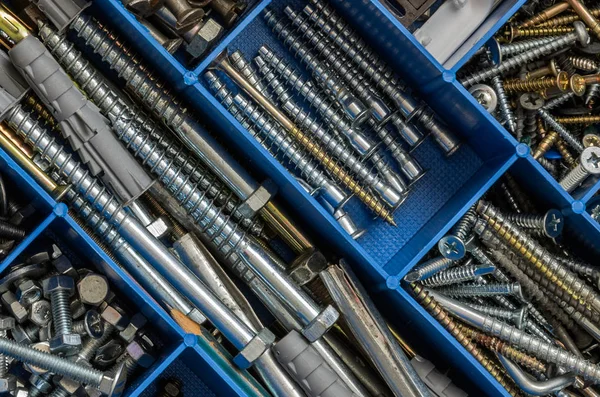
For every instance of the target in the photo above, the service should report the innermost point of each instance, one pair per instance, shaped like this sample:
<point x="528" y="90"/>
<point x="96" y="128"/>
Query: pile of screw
<point x="197" y="23"/>
<point x="359" y="111"/>
<point x="76" y="321"/>
<point x="504" y="283"/>
<point x="539" y="77"/>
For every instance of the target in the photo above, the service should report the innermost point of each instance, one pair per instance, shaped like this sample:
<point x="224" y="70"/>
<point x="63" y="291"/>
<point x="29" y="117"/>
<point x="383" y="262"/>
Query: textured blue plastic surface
<point x="384" y="254"/>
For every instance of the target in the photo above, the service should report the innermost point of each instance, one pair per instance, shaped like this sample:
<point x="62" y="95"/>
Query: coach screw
<point x="564" y="133"/>
<point x="536" y="347"/>
<point x="100" y="92"/>
<point x="458" y="275"/>
<point x="512" y="32"/>
<point x="452" y="246"/>
<point x="589" y="164"/>
<point x="171" y="45"/>
<point x="517" y="317"/>
<point x="580" y="34"/>
<point x="545" y="144"/>
<point x="533" y="252"/>
<point x="428" y="269"/>
<point x="551" y="223"/>
<point x="512" y="289"/>
<point x="281" y="143"/>
<point x="355" y="49"/>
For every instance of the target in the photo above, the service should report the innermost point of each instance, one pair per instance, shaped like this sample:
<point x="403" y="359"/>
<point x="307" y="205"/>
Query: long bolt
<point x="350" y="43"/>
<point x="533" y="252"/>
<point x="162" y="104"/>
<point x="580" y="34"/>
<point x="457" y="275"/>
<point x="62" y="320"/>
<point x="589" y="164"/>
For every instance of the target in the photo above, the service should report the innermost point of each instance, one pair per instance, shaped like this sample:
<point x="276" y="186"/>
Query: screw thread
<point x="429" y="268"/>
<point x="441" y="315"/>
<point x="526" y="221"/>
<point x="11" y="232"/>
<point x="78" y="327"/>
<point x="583" y="269"/>
<point x="90" y="346"/>
<point x="574" y="178"/>
<point x="562" y="148"/>
<point x="521" y="59"/>
<point x="54" y="364"/>
<point x="59" y="392"/>
<point x="465" y="224"/>
<point x="545" y="144"/>
<point x="34" y="392"/>
<point x="506" y="112"/>
<point x="589" y="119"/>
<point x="558" y="275"/>
<point x="583" y="63"/>
<point x="130" y="364"/>
<point x="518" y="85"/>
<point x="515" y="48"/>
<point x="498" y="312"/>
<point x="454" y="276"/>
<point x="42" y="111"/>
<point x="513" y="33"/>
<point x="592" y="93"/>
<point x="61" y="312"/>
<point x="564" y="133"/>
<point x="112" y="105"/>
<point x="480" y="290"/>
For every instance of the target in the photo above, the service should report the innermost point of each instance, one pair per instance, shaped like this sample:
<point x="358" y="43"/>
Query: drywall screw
<point x="586" y="16"/>
<point x="506" y="113"/>
<point x="551" y="223"/>
<point x="512" y="32"/>
<point x="536" y="347"/>
<point x="282" y="144"/>
<point x="171" y="45"/>
<point x="453" y="246"/>
<point x="512" y="289"/>
<point x="151" y="92"/>
<point x="457" y="275"/>
<point x="385" y="191"/>
<point x="545" y="15"/>
<point x="580" y="34"/>
<point x="568" y="158"/>
<point x="407" y="104"/>
<point x="517" y="85"/>
<point x="545" y="144"/>
<point x="428" y="269"/>
<point x="516" y="317"/>
<point x="589" y="164"/>
<point x="590" y="119"/>
<point x="533" y="252"/>
<point x="100" y="92"/>
<point x="441" y="315"/>
<point x="564" y="133"/>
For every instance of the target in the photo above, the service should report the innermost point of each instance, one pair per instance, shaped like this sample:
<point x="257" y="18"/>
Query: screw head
<point x="113" y="385"/>
<point x="94" y="325"/>
<point x="577" y="84"/>
<point x="554" y="222"/>
<point x="451" y="247"/>
<point x="486" y="96"/>
<point x="520" y="317"/>
<point x="531" y="101"/>
<point x="591" y="140"/>
<point x="590" y="160"/>
<point x="563" y="81"/>
<point x="582" y="34"/>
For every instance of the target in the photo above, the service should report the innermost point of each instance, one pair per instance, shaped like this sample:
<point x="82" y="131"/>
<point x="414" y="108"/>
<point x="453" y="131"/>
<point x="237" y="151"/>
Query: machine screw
<point x="458" y="275"/>
<point x="589" y="164"/>
<point x="428" y="269"/>
<point x="580" y="34"/>
<point x="517" y="317"/>
<point x="91" y="325"/>
<point x="513" y="289"/>
<point x="551" y="223"/>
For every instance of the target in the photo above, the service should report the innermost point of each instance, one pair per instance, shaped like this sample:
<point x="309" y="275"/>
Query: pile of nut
<point x="53" y="307"/>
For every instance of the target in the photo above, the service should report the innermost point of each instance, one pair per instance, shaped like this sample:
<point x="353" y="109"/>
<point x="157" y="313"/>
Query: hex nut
<point x="63" y="266"/>
<point x="9" y="301"/>
<point x="204" y="38"/>
<point x="8" y="384"/>
<point x="40" y="383"/>
<point x="25" y="334"/>
<point x="254" y="349"/>
<point x="6" y="323"/>
<point x="93" y="289"/>
<point x="114" y="317"/>
<point x="40" y="313"/>
<point x="92" y="391"/>
<point x="137" y="322"/>
<point x="321" y="324"/>
<point x="307" y="266"/>
<point x="59" y="283"/>
<point x="67" y="344"/>
<point x="28" y="292"/>
<point x="21" y="392"/>
<point x="78" y="309"/>
<point x="142" y="357"/>
<point x="258" y="199"/>
<point x="159" y="228"/>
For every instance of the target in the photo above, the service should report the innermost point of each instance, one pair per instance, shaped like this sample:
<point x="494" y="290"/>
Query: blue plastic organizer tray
<point x="384" y="254"/>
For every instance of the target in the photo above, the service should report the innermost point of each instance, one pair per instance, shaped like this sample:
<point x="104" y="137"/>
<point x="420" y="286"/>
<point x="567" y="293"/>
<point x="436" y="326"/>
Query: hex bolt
<point x="93" y="289"/>
<point x="458" y="275"/>
<point x="60" y="289"/>
<point x="110" y="384"/>
<point x="579" y="35"/>
<point x="551" y="223"/>
<point x="516" y="317"/>
<point x="536" y="347"/>
<point x="428" y="269"/>
<point x="137" y="322"/>
<point x="535" y="254"/>
<point x="282" y="144"/>
<point x="453" y="246"/>
<point x="512" y="289"/>
<point x="564" y="133"/>
<point x="102" y="95"/>
<point x="589" y="164"/>
<point x="135" y="356"/>
<point x="91" y="325"/>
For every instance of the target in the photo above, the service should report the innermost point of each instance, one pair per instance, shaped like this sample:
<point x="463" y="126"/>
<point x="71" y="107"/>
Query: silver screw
<point x="531" y="102"/>
<point x="100" y="92"/>
<point x="506" y="112"/>
<point x="506" y="50"/>
<point x="485" y="96"/>
<point x="457" y="275"/>
<point x="589" y="164"/>
<point x="580" y="34"/>
<point x="491" y="289"/>
<point x="592" y="92"/>
<point x="564" y="133"/>
<point x="428" y="269"/>
<point x="551" y="223"/>
<point x="453" y="246"/>
<point x="517" y="316"/>
<point x="91" y="325"/>
<point x="358" y="51"/>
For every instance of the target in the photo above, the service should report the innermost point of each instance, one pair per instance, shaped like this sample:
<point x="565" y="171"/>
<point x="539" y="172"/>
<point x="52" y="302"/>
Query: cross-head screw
<point x="452" y="247"/>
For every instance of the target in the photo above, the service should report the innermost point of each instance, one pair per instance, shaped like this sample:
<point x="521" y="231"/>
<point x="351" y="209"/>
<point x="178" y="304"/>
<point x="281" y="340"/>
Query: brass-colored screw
<point x="41" y="111"/>
<point x="512" y="32"/>
<point x="545" y="15"/>
<point x="550" y="69"/>
<point x="517" y="85"/>
<point x="545" y="144"/>
<point x="442" y="316"/>
<point x="583" y="63"/>
<point x="586" y="16"/>
<point x="588" y="119"/>
<point x="564" y="151"/>
<point x="568" y="19"/>
<point x="496" y="345"/>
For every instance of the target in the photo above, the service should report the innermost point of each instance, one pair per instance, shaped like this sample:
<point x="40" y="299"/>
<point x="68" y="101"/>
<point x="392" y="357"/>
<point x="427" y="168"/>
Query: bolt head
<point x="94" y="325"/>
<point x="28" y="292"/>
<point x="113" y="385"/>
<point x="14" y="307"/>
<point x="254" y="349"/>
<point x="21" y="392"/>
<point x="209" y="33"/>
<point x="70" y="386"/>
<point x="40" y="383"/>
<point x="451" y="247"/>
<point x="113" y="316"/>
<point x="40" y="313"/>
<point x="63" y="266"/>
<point x="22" y="336"/>
<point x="6" y="323"/>
<point x="142" y="357"/>
<point x="554" y="222"/>
<point x="8" y="384"/>
<point x="93" y="289"/>
<point x="137" y="322"/>
<point x="321" y="323"/>
<point x="590" y="160"/>
<point x="59" y="283"/>
<point x="66" y="344"/>
<point x="582" y="34"/>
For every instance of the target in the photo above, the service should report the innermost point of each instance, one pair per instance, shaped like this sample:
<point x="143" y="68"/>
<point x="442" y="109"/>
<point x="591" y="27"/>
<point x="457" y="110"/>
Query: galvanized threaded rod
<point x="131" y="230"/>
<point x="162" y="104"/>
<point x="96" y="87"/>
<point x="537" y="255"/>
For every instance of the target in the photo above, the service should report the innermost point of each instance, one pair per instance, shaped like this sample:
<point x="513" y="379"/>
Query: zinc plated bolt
<point x="564" y="133"/>
<point x="534" y="253"/>
<point x="536" y="347"/>
<point x="350" y="43"/>
<point x="589" y="164"/>
<point x="338" y="150"/>
<point x="60" y="289"/>
<point x="457" y="275"/>
<point x="551" y="223"/>
<point x="100" y="92"/>
<point x="490" y="289"/>
<point x="580" y="34"/>
<point x="516" y="317"/>
<point x="428" y="269"/>
<point x="453" y="245"/>
<point x="410" y="168"/>
<point x="265" y="130"/>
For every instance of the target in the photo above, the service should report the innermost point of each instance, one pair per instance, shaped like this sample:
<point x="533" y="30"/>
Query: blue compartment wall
<point x="384" y="254"/>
